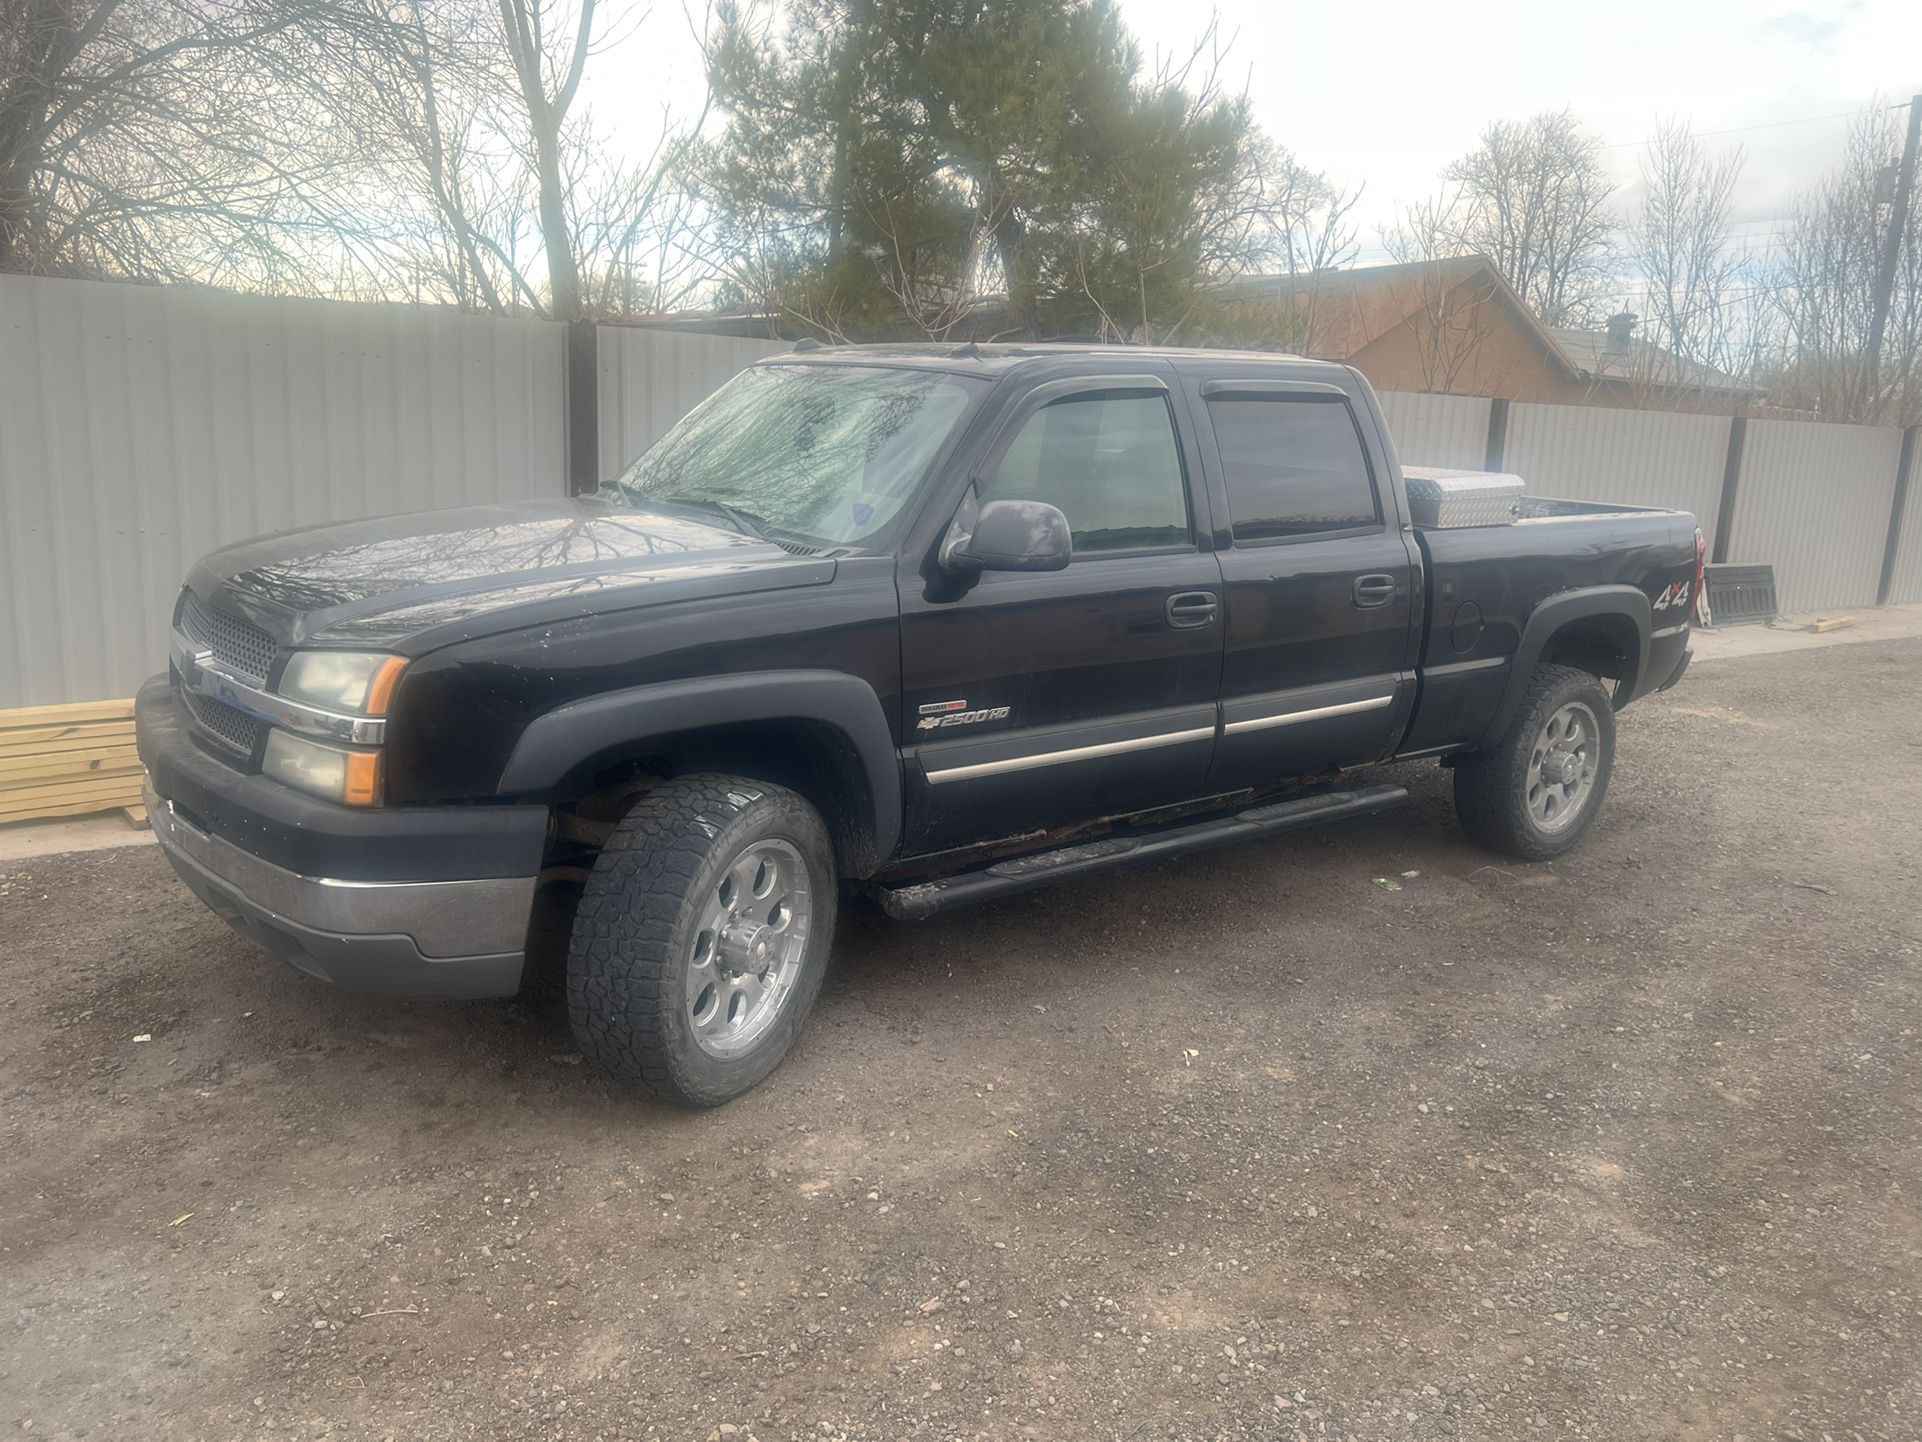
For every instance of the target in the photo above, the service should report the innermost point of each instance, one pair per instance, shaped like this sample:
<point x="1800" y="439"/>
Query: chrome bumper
<point x="430" y="938"/>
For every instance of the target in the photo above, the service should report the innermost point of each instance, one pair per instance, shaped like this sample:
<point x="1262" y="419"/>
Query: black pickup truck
<point x="930" y="623"/>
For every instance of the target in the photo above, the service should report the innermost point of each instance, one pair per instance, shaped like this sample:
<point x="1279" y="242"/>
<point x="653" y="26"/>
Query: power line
<point x="1741" y="129"/>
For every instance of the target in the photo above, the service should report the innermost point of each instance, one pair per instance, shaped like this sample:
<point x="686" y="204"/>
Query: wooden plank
<point x="1824" y="624"/>
<point x="136" y="817"/>
<point x="32" y="738"/>
<point x="73" y="806"/>
<point x="21" y="791"/>
<point x="77" y="738"/>
<point x="19" y="798"/>
<point x="66" y="715"/>
<point x="68" y="760"/>
<point x="23" y="798"/>
<point x="47" y="810"/>
<point x="13" y="788"/>
<point x="48" y="766"/>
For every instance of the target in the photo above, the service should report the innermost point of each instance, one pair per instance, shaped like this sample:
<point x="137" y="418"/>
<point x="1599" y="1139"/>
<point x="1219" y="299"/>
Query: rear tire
<point x="1535" y="792"/>
<point x="702" y="937"/>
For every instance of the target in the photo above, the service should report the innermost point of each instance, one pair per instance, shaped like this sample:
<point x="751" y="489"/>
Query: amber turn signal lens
<point x="380" y="691"/>
<point x="363" y="778"/>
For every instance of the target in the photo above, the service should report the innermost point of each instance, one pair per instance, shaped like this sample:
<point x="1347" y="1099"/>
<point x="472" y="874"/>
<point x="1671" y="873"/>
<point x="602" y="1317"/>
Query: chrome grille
<point x="229" y="725"/>
<point x="238" y="645"/>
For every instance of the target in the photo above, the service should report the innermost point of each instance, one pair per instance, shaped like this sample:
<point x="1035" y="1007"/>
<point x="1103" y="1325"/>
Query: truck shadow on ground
<point x="1056" y="941"/>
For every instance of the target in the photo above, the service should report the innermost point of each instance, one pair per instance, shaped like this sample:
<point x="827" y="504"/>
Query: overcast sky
<point x="1388" y="94"/>
<point x="1384" y="94"/>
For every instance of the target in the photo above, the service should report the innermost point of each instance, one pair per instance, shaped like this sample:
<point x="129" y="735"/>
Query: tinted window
<point x="1110" y="464"/>
<point x="1293" y="467"/>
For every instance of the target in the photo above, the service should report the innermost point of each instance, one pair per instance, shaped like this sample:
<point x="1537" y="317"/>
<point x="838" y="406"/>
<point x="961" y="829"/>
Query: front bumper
<point x="404" y="901"/>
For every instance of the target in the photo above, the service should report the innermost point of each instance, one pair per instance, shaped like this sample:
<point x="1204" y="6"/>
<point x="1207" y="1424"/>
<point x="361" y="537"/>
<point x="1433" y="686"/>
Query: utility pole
<point x="1892" y="249"/>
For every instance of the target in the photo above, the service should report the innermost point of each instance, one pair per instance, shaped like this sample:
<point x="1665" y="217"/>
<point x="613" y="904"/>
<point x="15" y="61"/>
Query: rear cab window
<point x="1293" y="465"/>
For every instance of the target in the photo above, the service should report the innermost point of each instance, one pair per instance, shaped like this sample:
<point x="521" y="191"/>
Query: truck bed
<point x="1483" y="582"/>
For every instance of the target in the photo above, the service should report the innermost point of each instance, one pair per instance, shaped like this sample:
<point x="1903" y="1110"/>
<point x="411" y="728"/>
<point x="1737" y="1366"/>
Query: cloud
<point x="1814" y="33"/>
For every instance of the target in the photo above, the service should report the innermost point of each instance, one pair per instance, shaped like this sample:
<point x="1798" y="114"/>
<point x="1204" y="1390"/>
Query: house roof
<point x="1354" y="307"/>
<point x="1597" y="355"/>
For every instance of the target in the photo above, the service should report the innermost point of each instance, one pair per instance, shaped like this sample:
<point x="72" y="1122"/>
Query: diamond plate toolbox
<point x="1444" y="499"/>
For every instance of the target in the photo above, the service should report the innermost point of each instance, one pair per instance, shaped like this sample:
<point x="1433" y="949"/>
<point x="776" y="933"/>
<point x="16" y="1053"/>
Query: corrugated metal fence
<point x="1431" y="430"/>
<point x="141" y="428"/>
<point x="1813" y="502"/>
<point x="651" y="378"/>
<point x="1628" y="458"/>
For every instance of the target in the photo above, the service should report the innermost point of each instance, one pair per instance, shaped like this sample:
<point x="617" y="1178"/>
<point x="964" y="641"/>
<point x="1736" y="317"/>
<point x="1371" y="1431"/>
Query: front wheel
<point x="701" y="937"/>
<point x="1534" y="793"/>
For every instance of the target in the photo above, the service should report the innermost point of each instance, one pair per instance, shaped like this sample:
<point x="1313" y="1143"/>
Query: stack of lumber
<point x="67" y="760"/>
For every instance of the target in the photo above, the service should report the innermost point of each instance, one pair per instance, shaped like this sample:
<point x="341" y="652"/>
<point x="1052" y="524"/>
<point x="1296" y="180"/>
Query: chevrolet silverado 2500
<point x="935" y="624"/>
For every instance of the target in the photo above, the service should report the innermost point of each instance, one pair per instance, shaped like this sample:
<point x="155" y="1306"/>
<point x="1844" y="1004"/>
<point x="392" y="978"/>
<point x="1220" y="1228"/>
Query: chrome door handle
<point x="1188" y="610"/>
<point x="1374" y="590"/>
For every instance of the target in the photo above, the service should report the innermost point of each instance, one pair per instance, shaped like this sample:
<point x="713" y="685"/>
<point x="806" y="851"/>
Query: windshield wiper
<point x="746" y="522"/>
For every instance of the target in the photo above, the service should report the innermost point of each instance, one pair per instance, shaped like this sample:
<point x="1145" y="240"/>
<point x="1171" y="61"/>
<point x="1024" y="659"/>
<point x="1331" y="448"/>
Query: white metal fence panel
<point x="1813" y="501"/>
<point x="1437" y="430"/>
<point x="1905" y="581"/>
<point x="141" y="428"/>
<point x="1621" y="457"/>
<point x="651" y="378"/>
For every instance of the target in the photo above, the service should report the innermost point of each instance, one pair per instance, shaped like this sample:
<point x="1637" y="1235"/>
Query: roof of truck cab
<point x="1000" y="358"/>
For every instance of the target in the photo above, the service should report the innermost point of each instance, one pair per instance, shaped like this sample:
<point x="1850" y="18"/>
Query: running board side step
<point x="913" y="901"/>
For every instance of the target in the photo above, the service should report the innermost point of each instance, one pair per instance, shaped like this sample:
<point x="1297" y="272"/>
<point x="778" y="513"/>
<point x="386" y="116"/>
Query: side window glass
<point x="1293" y="467"/>
<point x="1110" y="463"/>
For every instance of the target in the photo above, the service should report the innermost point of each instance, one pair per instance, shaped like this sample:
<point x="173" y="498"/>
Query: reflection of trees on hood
<point x="330" y="575"/>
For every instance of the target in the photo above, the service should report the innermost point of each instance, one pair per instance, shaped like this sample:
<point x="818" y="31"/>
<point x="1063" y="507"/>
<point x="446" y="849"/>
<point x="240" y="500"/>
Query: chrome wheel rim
<point x="748" y="947"/>
<point x="1562" y="765"/>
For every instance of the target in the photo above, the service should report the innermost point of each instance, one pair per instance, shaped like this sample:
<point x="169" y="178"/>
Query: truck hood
<point x="414" y="582"/>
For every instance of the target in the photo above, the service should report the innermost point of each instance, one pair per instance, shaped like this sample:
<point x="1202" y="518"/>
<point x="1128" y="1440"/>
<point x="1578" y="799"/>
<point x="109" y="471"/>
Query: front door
<point x="1033" y="701"/>
<point x="1320" y="583"/>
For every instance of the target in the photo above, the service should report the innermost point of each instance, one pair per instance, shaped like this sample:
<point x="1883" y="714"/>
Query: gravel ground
<point x="1358" y="1134"/>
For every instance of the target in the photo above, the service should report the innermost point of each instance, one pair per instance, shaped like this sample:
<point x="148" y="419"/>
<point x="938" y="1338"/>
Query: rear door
<point x="1320" y="581"/>
<point x="1037" y="700"/>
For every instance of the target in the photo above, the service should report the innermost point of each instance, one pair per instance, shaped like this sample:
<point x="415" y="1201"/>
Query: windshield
<point x="827" y="454"/>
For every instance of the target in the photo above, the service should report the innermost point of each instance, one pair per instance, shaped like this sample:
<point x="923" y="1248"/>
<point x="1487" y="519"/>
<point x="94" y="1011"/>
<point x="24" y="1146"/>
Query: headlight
<point x="349" y="777"/>
<point x="358" y="682"/>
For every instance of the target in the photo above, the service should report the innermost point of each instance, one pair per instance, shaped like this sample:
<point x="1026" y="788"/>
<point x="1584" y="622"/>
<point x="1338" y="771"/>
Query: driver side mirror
<point x="1007" y="536"/>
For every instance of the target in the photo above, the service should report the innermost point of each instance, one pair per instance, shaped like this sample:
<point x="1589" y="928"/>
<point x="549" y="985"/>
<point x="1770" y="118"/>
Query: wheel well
<point x="1605" y="646"/>
<point x="808" y="757"/>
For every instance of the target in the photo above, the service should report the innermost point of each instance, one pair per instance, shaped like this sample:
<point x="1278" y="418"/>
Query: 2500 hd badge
<point x="936" y="714"/>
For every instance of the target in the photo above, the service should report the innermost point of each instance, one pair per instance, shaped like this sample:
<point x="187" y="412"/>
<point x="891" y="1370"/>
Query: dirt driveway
<point x="1358" y="1134"/>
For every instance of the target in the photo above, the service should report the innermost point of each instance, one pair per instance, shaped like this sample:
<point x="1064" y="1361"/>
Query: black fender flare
<point x="560" y="745"/>
<point x="1553" y="614"/>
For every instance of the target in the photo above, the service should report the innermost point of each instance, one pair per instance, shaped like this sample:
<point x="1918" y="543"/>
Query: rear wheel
<point x="702" y="937"/>
<point x="1537" y="791"/>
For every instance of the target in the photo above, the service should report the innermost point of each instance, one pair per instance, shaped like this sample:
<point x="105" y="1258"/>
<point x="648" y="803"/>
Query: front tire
<point x="702" y="937"/>
<point x="1535" y="792"/>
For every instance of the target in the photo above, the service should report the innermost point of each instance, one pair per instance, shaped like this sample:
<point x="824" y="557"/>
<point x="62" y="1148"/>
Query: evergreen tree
<point x="887" y="162"/>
